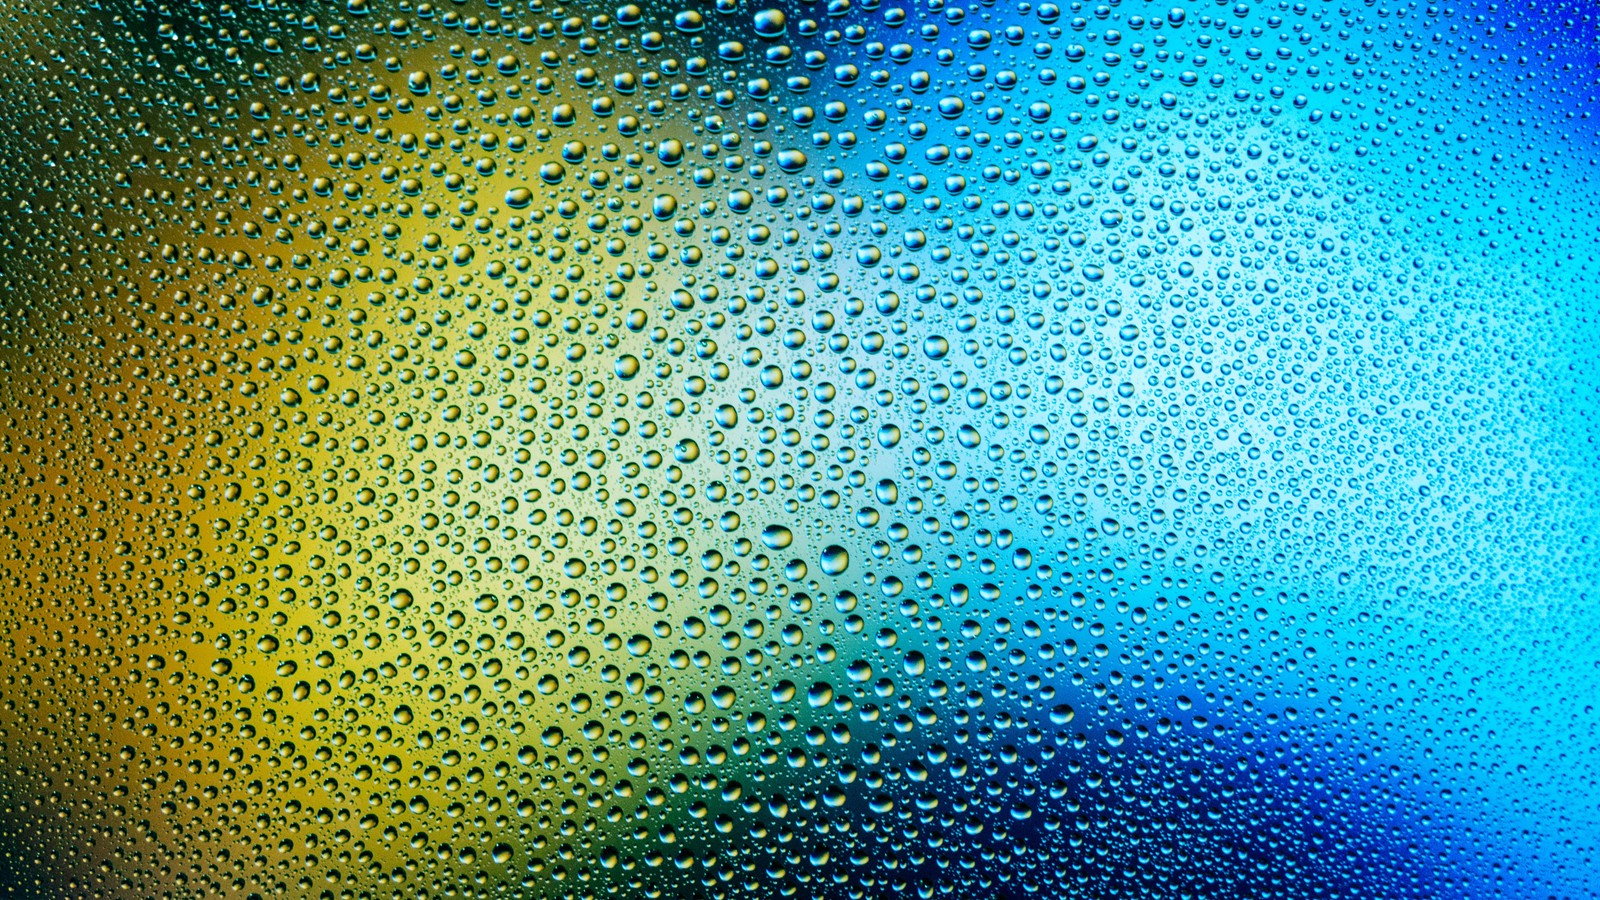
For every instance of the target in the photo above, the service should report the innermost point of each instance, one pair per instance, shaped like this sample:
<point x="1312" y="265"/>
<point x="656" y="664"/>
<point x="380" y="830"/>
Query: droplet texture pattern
<point x="828" y="449"/>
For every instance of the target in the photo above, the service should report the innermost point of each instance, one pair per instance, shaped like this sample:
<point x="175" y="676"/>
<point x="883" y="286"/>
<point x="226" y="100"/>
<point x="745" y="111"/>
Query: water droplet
<point x="835" y="559"/>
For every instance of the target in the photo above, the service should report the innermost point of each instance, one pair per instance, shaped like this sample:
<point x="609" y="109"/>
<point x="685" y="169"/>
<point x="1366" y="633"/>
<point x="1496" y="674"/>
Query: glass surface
<point x="836" y="449"/>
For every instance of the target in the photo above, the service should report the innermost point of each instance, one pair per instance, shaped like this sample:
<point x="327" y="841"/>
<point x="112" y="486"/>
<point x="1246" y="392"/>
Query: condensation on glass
<point x="847" y="449"/>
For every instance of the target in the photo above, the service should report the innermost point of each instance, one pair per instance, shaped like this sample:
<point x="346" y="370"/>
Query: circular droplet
<point x="777" y="537"/>
<point x="771" y="23"/>
<point x="519" y="197"/>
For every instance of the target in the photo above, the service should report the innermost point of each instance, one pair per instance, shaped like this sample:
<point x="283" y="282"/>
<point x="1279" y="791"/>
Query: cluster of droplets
<point x="832" y="449"/>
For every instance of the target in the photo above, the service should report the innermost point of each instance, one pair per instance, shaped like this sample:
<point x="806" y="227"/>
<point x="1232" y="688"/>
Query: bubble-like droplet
<point x="820" y="694"/>
<point x="791" y="160"/>
<point x="777" y="537"/>
<point x="519" y="197"/>
<point x="770" y="23"/>
<point x="835" y="560"/>
<point x="400" y="598"/>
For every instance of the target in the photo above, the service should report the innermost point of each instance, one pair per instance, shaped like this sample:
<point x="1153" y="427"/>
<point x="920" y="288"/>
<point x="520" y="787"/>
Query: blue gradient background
<point x="1347" y="642"/>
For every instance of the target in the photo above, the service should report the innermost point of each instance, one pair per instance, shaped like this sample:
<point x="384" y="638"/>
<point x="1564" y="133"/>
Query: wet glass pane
<point x="822" y="449"/>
